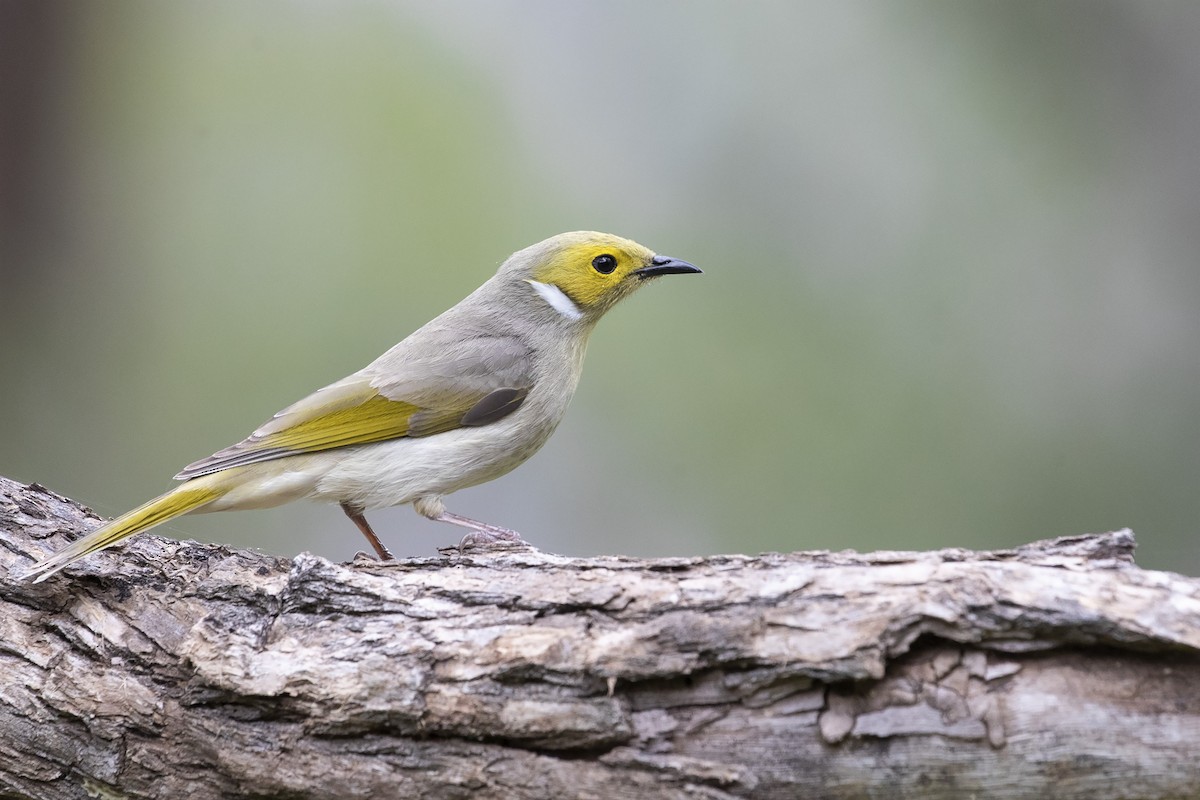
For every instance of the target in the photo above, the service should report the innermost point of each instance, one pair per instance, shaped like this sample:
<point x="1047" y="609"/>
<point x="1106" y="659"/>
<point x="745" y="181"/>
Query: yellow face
<point x="594" y="270"/>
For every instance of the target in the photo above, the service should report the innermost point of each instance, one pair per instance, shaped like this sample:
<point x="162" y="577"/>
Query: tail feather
<point x="174" y="503"/>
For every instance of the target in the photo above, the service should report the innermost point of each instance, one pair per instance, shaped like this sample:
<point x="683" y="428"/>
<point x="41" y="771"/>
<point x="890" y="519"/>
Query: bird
<point x="462" y="400"/>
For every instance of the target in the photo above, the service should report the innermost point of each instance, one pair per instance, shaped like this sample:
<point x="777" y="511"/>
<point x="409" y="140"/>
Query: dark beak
<point x="665" y="265"/>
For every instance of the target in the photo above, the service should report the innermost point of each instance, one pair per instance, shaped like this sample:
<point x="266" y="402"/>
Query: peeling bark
<point x="168" y="669"/>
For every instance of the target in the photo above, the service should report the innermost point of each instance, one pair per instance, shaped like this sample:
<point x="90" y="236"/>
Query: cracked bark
<point x="167" y="669"/>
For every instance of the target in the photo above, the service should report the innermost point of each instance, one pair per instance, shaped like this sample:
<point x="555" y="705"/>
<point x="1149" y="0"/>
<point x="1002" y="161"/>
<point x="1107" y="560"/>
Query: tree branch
<point x="168" y="669"/>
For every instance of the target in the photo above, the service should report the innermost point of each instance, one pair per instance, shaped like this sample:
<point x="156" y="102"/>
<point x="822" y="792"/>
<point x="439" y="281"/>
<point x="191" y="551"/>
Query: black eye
<point x="604" y="264"/>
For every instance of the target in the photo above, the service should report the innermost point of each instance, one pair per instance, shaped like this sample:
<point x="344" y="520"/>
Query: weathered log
<point x="168" y="669"/>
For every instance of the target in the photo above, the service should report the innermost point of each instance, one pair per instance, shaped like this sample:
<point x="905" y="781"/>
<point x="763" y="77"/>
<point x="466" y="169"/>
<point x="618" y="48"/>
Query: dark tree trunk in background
<point x="34" y="35"/>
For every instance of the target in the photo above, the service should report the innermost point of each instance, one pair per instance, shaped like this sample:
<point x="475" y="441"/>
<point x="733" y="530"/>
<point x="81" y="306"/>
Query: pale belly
<point x="399" y="471"/>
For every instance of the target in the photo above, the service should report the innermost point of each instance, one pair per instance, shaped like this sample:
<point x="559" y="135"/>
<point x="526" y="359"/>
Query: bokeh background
<point x="951" y="290"/>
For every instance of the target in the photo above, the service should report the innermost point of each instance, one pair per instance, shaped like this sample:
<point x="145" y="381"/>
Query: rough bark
<point x="168" y="669"/>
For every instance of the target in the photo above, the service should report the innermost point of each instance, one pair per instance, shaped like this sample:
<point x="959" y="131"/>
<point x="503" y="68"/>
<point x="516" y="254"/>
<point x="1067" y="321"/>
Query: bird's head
<point x="583" y="274"/>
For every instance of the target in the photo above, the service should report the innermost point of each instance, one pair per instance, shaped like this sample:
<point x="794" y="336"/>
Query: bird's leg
<point x="481" y="532"/>
<point x="359" y="520"/>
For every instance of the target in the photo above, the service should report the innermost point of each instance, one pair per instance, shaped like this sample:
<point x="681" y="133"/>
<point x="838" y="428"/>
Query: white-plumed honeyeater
<point x="461" y="401"/>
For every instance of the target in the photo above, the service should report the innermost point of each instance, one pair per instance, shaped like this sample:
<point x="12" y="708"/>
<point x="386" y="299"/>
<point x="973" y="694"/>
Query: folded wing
<point x="422" y="387"/>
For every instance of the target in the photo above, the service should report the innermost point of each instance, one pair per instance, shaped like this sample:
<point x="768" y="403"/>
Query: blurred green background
<point x="951" y="256"/>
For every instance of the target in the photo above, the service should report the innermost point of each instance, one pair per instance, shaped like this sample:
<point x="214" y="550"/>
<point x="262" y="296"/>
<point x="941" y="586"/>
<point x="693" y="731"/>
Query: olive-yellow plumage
<point x="464" y="399"/>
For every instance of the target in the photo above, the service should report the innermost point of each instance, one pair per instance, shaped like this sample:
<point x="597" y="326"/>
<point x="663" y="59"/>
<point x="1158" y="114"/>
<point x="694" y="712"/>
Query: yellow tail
<point x="181" y="500"/>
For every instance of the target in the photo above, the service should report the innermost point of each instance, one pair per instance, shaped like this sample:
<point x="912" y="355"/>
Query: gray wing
<point x="424" y="366"/>
<point x="434" y="381"/>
